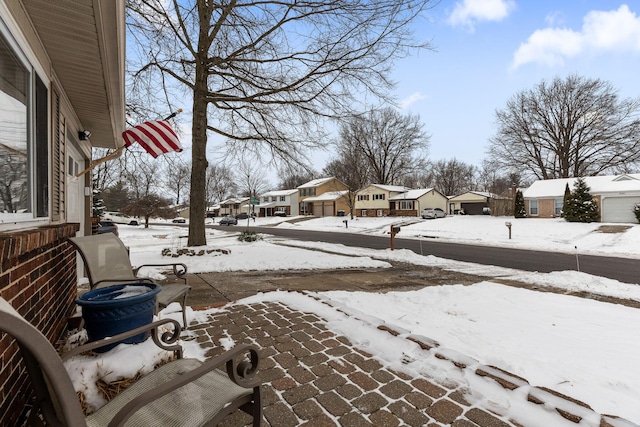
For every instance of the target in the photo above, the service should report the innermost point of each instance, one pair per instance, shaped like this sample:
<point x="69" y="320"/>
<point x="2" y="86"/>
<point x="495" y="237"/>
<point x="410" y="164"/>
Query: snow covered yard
<point x="584" y="348"/>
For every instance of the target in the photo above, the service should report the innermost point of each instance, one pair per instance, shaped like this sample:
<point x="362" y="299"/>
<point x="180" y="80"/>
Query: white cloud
<point x="412" y="99"/>
<point x="469" y="12"/>
<point x="616" y="30"/>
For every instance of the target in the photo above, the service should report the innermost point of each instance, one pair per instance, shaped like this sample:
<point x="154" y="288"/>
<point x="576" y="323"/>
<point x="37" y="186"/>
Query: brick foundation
<point x="38" y="278"/>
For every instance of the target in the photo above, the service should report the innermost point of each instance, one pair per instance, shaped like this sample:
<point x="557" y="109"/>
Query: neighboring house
<point x="472" y="203"/>
<point x="412" y="202"/>
<point x="234" y="206"/>
<point x="61" y="74"/>
<point x="329" y="205"/>
<point x="213" y="211"/>
<point x="373" y="200"/>
<point x="278" y="200"/>
<point x="616" y="196"/>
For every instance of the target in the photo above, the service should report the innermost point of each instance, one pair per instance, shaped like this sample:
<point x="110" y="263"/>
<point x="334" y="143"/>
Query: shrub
<point x="249" y="236"/>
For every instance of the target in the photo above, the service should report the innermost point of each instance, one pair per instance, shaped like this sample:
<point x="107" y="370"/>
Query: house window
<point x="378" y="196"/>
<point x="364" y="212"/>
<point x="282" y="198"/>
<point x="311" y="192"/>
<point x="362" y="197"/>
<point x="406" y="205"/>
<point x="379" y="212"/>
<point x="533" y="207"/>
<point x="265" y="199"/>
<point x="273" y="198"/>
<point x="558" y="204"/>
<point x="24" y="137"/>
<point x="303" y="192"/>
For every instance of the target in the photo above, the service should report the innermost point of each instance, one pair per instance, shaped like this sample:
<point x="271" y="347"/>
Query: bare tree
<point x="292" y="177"/>
<point x="493" y="179"/>
<point x="176" y="179"/>
<point x="351" y="169"/>
<point x="453" y="177"/>
<point x="142" y="177"/>
<point x="383" y="146"/>
<point x="419" y="179"/>
<point x="220" y="184"/>
<point x="265" y="74"/>
<point x="251" y="178"/>
<point x="567" y="128"/>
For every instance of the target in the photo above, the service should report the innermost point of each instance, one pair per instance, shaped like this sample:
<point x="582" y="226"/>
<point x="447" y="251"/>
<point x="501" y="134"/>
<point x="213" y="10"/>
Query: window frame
<point x="558" y="206"/>
<point x="37" y="207"/>
<point x="531" y="208"/>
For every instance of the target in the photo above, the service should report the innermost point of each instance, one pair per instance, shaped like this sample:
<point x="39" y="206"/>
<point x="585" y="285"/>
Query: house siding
<point x="39" y="279"/>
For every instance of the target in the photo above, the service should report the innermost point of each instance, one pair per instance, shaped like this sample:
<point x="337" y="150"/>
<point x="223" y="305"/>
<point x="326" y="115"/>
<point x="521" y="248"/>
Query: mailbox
<point x="395" y="229"/>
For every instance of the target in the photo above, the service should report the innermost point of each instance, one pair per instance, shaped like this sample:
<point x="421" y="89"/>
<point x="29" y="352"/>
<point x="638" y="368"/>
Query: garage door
<point x="317" y="210"/>
<point x="328" y="210"/>
<point x="619" y="209"/>
<point x="473" y="208"/>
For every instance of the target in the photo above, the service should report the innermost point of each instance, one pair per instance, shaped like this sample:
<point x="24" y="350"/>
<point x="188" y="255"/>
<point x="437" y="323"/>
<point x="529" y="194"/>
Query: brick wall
<point x="38" y="278"/>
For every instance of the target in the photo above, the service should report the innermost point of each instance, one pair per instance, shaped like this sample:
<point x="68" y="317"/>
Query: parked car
<point x="134" y="222"/>
<point x="242" y="215"/>
<point x="280" y="213"/>
<point x="228" y="220"/>
<point x="432" y="213"/>
<point x="179" y="220"/>
<point x="107" y="226"/>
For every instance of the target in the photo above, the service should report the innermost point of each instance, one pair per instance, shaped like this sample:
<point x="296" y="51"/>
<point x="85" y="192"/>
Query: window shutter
<point x="57" y="160"/>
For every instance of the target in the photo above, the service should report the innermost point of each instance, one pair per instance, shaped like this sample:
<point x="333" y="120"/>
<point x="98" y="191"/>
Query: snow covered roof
<point x="279" y="193"/>
<point x="234" y="200"/>
<point x="393" y="188"/>
<point x="597" y="185"/>
<point x="315" y="182"/>
<point x="411" y="194"/>
<point x="328" y="196"/>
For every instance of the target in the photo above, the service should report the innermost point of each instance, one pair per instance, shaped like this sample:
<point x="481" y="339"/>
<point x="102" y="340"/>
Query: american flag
<point x="156" y="137"/>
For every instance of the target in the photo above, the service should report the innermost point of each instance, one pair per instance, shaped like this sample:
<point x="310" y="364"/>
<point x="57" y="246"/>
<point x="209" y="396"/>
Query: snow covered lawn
<point x="584" y="348"/>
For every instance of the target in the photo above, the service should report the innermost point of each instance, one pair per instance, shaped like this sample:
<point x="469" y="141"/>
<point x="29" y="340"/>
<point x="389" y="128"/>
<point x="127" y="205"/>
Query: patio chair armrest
<point x="164" y="340"/>
<point x="109" y="282"/>
<point x="243" y="375"/>
<point x="179" y="269"/>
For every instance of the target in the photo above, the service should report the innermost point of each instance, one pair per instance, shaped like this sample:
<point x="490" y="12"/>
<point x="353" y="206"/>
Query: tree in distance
<point x="566" y="128"/>
<point x="519" y="208"/>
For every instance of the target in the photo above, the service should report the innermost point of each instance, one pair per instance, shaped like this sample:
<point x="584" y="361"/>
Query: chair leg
<point x="184" y="312"/>
<point x="257" y="406"/>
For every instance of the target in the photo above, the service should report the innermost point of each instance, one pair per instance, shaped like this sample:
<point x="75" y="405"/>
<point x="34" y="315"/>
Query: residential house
<point x="616" y="196"/>
<point x="373" y="200"/>
<point x="472" y="203"/>
<point x="61" y="93"/>
<point x="412" y="202"/>
<point x="279" y="200"/>
<point x="323" y="197"/>
<point x="234" y="205"/>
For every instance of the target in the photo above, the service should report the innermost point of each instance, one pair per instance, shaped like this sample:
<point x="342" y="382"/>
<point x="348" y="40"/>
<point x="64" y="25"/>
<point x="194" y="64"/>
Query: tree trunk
<point x="199" y="159"/>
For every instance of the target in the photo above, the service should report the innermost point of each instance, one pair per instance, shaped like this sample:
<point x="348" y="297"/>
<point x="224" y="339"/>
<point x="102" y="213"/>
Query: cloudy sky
<point x="488" y="50"/>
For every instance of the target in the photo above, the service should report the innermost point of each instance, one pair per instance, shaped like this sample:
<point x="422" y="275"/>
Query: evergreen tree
<point x="519" y="209"/>
<point x="567" y="207"/>
<point x="582" y="207"/>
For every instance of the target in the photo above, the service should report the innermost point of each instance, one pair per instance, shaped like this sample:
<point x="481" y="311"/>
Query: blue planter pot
<point x="115" y="309"/>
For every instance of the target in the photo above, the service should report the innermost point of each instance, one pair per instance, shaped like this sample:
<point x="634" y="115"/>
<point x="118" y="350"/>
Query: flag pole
<point x="117" y="151"/>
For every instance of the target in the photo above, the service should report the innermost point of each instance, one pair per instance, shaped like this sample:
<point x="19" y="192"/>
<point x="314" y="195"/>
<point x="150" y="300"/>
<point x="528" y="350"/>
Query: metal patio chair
<point x="107" y="262"/>
<point x="183" y="392"/>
